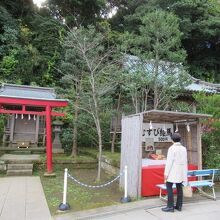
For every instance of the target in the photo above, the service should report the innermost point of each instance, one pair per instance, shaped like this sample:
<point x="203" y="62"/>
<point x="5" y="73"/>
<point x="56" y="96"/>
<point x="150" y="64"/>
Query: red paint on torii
<point x="48" y="105"/>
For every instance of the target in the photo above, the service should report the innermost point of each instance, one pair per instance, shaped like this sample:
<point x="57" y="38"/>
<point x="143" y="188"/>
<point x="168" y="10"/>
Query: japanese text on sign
<point x="159" y="132"/>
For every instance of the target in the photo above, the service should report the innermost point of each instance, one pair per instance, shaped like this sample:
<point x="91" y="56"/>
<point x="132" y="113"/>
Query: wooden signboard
<point x="158" y="131"/>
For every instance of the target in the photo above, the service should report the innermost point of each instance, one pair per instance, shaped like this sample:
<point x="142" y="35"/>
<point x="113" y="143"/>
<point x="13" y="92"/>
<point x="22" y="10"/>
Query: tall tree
<point x="48" y="35"/>
<point x="211" y="128"/>
<point x="96" y="67"/>
<point x="19" y="9"/>
<point x="199" y="22"/>
<point x="77" y="12"/>
<point x="30" y="44"/>
<point x="125" y="9"/>
<point x="9" y="34"/>
<point x="159" y="52"/>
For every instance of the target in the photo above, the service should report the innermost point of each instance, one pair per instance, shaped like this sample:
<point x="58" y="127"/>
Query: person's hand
<point x="165" y="179"/>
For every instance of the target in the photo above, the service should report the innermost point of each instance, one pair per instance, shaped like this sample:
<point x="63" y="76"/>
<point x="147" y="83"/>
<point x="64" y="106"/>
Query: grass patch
<point x="62" y="158"/>
<point x="92" y="152"/>
<point x="113" y="157"/>
<point x="79" y="197"/>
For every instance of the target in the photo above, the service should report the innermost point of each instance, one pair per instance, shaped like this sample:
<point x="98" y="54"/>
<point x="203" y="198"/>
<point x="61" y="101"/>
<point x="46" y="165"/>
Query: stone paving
<point x="22" y="198"/>
<point x="197" y="208"/>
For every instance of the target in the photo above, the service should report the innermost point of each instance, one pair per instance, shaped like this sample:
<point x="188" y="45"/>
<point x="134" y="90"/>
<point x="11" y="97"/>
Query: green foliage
<point x="27" y="60"/>
<point x="157" y="71"/>
<point x="30" y="44"/>
<point x="211" y="135"/>
<point x="106" y="117"/>
<point x="163" y="37"/>
<point x="211" y="153"/>
<point x="67" y="139"/>
<point x="114" y="158"/>
<point x="180" y="106"/>
<point x="19" y="9"/>
<point x="47" y="42"/>
<point x="209" y="104"/>
<point x="198" y="20"/>
<point x="78" y="12"/>
<point x="90" y="69"/>
<point x="31" y="53"/>
<point x="200" y="23"/>
<point x="8" y="64"/>
<point x="158" y="38"/>
<point x="8" y="32"/>
<point x="2" y="125"/>
<point x="87" y="135"/>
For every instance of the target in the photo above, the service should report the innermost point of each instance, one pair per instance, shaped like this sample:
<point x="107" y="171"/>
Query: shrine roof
<point x="133" y="64"/>
<point x="28" y="92"/>
<point x="170" y="116"/>
<point x="198" y="85"/>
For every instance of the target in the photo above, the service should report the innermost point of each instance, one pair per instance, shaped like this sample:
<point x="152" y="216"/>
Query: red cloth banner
<point x="153" y="175"/>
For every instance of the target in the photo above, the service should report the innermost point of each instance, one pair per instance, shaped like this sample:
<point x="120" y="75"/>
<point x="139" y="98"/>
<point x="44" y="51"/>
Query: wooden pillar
<point x="37" y="129"/>
<point x="189" y="145"/>
<point x="199" y="144"/>
<point x="141" y="121"/>
<point x="12" y="126"/>
<point x="48" y="140"/>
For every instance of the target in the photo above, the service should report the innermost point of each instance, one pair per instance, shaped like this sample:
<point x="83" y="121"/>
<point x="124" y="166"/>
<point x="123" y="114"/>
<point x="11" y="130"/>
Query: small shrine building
<point x="30" y="111"/>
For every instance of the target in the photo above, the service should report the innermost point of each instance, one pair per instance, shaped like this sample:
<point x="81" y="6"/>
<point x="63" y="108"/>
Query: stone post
<point x="57" y="146"/>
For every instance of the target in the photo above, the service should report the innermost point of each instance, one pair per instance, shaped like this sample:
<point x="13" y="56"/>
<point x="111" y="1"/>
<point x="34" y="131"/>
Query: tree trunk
<point x="146" y="99"/>
<point x="98" y="126"/>
<point x="113" y="138"/>
<point x="100" y="151"/>
<point x="156" y="96"/>
<point x="75" y="130"/>
<point x="115" y="126"/>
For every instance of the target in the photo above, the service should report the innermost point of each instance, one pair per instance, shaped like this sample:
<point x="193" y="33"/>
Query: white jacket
<point x="176" y="164"/>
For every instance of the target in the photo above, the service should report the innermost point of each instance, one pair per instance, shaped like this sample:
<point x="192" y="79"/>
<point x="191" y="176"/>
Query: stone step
<point x="19" y="172"/>
<point x="19" y="162"/>
<point x="19" y="152"/>
<point x="20" y="166"/>
<point x="20" y="159"/>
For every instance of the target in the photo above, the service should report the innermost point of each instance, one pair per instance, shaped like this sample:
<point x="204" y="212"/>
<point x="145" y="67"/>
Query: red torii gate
<point x="47" y="104"/>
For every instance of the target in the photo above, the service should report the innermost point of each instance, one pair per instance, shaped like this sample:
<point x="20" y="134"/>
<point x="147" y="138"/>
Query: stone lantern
<point x="57" y="146"/>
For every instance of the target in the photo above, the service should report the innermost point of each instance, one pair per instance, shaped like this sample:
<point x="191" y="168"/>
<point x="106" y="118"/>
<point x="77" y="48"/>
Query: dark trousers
<point x="170" y="201"/>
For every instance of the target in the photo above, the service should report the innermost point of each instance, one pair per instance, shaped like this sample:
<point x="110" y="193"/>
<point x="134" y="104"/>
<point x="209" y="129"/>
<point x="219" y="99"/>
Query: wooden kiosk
<point x="149" y="132"/>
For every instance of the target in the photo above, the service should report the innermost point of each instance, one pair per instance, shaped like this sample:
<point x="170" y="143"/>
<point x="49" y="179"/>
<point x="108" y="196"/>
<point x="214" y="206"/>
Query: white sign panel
<point x="159" y="132"/>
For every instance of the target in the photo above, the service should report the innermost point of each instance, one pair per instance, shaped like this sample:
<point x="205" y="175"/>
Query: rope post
<point x="126" y="198"/>
<point x="64" y="206"/>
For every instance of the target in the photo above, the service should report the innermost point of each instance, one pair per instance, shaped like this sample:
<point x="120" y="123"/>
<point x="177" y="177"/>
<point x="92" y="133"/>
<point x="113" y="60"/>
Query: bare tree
<point x="98" y="68"/>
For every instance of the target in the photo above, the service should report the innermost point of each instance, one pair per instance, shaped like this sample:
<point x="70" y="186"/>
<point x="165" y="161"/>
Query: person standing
<point x="175" y="173"/>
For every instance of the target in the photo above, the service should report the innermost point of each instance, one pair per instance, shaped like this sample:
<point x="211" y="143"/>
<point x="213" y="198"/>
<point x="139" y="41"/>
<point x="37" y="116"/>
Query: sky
<point x="38" y="2"/>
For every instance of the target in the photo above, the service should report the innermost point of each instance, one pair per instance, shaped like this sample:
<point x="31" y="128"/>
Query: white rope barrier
<point x="65" y="186"/>
<point x="126" y="198"/>
<point x="65" y="206"/>
<point x="94" y="186"/>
